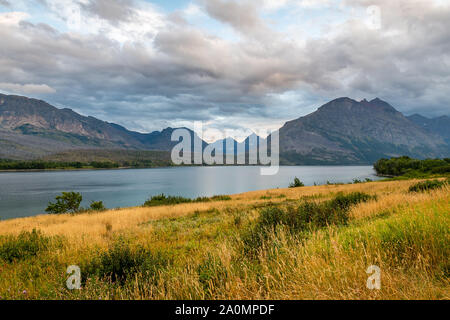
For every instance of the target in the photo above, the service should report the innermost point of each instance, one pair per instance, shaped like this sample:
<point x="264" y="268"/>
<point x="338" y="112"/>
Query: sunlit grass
<point x="195" y="250"/>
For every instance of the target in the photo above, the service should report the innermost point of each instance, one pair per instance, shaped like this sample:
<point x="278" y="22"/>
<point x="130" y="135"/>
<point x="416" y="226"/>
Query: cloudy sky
<point x="233" y="64"/>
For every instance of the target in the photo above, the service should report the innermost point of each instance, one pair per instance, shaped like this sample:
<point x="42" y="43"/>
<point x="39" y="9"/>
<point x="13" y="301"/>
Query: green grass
<point x="404" y="240"/>
<point x="162" y="199"/>
<point x="307" y="217"/>
<point x="121" y="262"/>
<point x="23" y="246"/>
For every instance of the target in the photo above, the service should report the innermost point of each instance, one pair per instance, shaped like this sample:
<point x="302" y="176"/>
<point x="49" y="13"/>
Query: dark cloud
<point x="185" y="73"/>
<point x="111" y="10"/>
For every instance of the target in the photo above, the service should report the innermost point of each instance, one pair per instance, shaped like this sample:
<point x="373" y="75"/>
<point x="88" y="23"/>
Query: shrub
<point x="67" y="202"/>
<point x="427" y="185"/>
<point x="120" y="262"/>
<point x="345" y="201"/>
<point x="97" y="206"/>
<point x="220" y="198"/>
<point x="23" y="246"/>
<point x="307" y="216"/>
<point x="312" y="215"/>
<point x="162" y="199"/>
<point x="296" y="184"/>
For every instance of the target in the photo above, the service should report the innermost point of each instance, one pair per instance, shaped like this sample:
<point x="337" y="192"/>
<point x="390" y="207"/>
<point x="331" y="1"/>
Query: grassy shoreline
<point x="197" y="250"/>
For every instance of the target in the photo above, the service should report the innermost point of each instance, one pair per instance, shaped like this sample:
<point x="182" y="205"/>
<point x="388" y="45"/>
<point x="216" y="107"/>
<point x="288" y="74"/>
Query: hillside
<point x="342" y="131"/>
<point x="439" y="126"/>
<point x="346" y="131"/>
<point x="258" y="245"/>
<point x="31" y="128"/>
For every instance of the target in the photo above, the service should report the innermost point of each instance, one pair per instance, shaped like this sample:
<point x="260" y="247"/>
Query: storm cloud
<point x="132" y="63"/>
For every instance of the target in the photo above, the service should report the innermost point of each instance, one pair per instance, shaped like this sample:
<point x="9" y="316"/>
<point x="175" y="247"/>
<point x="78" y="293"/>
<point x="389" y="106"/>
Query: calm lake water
<point x="25" y="194"/>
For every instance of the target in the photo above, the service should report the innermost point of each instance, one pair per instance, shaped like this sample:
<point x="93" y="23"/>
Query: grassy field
<point x="299" y="243"/>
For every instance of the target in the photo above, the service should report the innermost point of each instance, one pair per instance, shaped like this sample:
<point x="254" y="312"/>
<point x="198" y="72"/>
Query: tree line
<point x="411" y="167"/>
<point x="46" y="165"/>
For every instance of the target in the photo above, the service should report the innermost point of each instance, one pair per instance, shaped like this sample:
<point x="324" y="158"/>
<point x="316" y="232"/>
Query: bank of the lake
<point x="25" y="194"/>
<point x="269" y="244"/>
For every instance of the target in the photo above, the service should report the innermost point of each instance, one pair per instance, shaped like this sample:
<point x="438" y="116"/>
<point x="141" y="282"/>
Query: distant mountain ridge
<point x="31" y="128"/>
<point x="346" y="131"/>
<point x="439" y="126"/>
<point x="343" y="131"/>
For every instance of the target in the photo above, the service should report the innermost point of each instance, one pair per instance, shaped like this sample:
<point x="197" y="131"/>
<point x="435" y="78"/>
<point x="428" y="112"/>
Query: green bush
<point x="345" y="201"/>
<point x="97" y="206"/>
<point x="23" y="246"/>
<point x="297" y="183"/>
<point x="120" y="262"/>
<point x="162" y="199"/>
<point x="220" y="198"/>
<point x="427" y="186"/>
<point x="306" y="217"/>
<point x="67" y="202"/>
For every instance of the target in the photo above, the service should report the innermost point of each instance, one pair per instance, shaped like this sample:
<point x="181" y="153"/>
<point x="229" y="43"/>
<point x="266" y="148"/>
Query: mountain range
<point x="346" y="131"/>
<point x="343" y="131"/>
<point x="439" y="126"/>
<point x="31" y="128"/>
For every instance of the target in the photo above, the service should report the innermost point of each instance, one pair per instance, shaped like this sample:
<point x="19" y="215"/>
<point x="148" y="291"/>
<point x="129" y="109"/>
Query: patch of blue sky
<point x="36" y="13"/>
<point x="211" y="26"/>
<point x="195" y="16"/>
<point x="170" y="5"/>
<point x="311" y="20"/>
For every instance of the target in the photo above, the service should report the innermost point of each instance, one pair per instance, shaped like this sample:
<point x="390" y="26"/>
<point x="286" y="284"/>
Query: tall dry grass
<point x="405" y="234"/>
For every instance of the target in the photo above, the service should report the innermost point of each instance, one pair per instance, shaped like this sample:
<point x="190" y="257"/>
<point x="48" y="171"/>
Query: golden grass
<point x="93" y="225"/>
<point x="323" y="266"/>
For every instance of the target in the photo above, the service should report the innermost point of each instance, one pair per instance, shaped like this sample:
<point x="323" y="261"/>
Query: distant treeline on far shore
<point x="402" y="166"/>
<point x="408" y="167"/>
<point x="54" y="165"/>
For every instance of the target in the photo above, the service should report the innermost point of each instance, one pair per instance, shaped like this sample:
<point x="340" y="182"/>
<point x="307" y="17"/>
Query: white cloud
<point x="12" y="18"/>
<point x="131" y="23"/>
<point x="26" y="88"/>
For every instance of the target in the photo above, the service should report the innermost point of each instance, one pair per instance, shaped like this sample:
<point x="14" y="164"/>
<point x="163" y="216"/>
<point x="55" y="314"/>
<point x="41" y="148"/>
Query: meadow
<point x="297" y="243"/>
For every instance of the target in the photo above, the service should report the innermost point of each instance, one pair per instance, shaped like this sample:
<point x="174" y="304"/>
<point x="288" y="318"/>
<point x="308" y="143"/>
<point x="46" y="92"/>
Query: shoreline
<point x="182" y="166"/>
<point x="233" y="195"/>
<point x="180" y="240"/>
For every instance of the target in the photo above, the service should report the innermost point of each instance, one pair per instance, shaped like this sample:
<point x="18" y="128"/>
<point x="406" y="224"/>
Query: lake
<point x="25" y="194"/>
